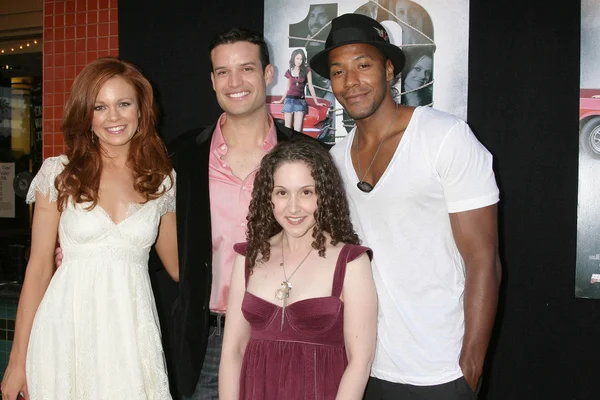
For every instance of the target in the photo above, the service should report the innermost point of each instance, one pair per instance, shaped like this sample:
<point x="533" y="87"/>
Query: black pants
<point x="378" y="389"/>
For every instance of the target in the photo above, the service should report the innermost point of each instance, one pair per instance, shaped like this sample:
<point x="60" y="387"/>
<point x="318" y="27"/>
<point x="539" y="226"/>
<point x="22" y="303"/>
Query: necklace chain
<point x="297" y="77"/>
<point x="377" y="151"/>
<point x="296" y="269"/>
<point x="284" y="290"/>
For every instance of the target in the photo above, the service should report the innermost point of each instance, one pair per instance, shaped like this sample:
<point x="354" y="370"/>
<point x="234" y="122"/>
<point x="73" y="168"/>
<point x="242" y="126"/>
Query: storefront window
<point x="20" y="155"/>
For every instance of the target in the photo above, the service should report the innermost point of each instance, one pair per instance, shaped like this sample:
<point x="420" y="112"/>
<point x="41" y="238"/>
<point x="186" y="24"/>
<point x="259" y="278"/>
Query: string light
<point x="28" y="46"/>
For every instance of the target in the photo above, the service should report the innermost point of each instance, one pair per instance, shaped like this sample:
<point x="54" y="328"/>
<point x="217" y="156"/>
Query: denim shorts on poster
<point x="295" y="105"/>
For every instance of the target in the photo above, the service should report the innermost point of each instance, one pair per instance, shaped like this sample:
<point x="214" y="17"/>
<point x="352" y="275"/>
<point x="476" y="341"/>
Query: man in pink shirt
<point x="215" y="174"/>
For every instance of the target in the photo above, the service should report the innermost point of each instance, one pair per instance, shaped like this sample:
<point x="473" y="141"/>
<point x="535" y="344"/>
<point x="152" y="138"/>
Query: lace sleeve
<point x="167" y="200"/>
<point x="43" y="181"/>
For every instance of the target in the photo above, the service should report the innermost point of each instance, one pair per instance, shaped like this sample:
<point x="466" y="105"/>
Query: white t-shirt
<point x="438" y="168"/>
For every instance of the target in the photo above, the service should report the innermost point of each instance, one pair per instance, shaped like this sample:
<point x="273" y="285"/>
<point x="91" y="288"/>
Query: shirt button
<point x="223" y="147"/>
<point x="243" y="224"/>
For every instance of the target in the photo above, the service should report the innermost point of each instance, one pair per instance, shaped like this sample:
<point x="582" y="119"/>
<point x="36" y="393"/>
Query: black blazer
<point x="190" y="154"/>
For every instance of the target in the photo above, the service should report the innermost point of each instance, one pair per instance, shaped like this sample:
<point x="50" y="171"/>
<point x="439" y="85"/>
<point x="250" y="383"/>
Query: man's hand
<point x="471" y="374"/>
<point x="58" y="256"/>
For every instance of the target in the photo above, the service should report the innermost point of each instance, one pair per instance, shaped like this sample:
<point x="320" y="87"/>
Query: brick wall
<point x="76" y="32"/>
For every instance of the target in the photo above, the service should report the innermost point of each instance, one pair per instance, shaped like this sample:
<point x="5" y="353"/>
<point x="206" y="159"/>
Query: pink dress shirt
<point x="229" y="201"/>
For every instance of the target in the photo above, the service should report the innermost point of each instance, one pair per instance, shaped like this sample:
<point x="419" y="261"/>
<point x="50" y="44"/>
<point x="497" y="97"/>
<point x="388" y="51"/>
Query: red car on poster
<point x="317" y="122"/>
<point x="589" y="121"/>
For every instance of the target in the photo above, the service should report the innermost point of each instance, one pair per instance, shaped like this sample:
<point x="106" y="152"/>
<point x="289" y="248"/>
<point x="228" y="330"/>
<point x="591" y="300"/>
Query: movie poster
<point x="587" y="283"/>
<point x="433" y="34"/>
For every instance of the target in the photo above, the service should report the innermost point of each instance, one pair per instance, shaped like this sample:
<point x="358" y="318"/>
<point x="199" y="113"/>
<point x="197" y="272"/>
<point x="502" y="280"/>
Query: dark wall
<point x="169" y="41"/>
<point x="523" y="105"/>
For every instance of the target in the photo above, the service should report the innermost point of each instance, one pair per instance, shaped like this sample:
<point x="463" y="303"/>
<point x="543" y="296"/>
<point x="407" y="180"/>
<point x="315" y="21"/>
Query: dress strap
<point x="241" y="248"/>
<point x="349" y="252"/>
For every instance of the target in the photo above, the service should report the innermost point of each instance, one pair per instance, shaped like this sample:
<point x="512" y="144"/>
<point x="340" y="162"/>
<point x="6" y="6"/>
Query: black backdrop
<point x="523" y="106"/>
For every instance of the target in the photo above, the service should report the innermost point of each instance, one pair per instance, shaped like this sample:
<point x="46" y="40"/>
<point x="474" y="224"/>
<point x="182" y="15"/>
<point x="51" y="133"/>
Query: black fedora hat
<point x="352" y="29"/>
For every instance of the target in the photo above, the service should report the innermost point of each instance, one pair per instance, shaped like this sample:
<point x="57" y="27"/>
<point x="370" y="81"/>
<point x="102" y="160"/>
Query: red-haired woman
<point x="90" y="330"/>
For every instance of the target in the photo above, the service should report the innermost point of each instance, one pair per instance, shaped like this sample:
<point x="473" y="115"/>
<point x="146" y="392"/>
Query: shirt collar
<point x="218" y="141"/>
<point x="271" y="139"/>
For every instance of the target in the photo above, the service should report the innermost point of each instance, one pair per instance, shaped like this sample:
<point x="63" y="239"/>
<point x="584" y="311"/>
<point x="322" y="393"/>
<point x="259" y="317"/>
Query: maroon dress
<point x="307" y="358"/>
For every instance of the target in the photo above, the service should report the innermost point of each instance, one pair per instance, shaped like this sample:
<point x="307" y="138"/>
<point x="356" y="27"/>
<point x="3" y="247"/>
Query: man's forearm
<point x="480" y="304"/>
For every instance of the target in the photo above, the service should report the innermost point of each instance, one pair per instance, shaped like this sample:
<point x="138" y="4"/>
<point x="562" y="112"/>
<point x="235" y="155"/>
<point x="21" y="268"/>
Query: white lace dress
<point x="96" y="335"/>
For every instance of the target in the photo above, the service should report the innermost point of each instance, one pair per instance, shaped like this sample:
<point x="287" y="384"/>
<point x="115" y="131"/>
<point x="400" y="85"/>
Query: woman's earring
<point x="93" y="134"/>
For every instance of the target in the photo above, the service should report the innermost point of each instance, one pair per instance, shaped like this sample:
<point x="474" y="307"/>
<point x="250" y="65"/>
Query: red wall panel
<point x="76" y="32"/>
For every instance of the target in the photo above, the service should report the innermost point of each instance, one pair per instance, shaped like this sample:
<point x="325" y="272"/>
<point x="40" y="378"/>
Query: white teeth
<point x="295" y="219"/>
<point x="116" y="128"/>
<point x="240" y="94"/>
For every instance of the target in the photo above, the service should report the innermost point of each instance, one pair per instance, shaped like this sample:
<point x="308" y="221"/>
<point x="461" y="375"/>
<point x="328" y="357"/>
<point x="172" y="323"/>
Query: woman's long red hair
<point x="148" y="159"/>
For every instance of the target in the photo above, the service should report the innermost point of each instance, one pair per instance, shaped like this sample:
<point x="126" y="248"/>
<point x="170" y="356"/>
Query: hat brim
<point x="320" y="61"/>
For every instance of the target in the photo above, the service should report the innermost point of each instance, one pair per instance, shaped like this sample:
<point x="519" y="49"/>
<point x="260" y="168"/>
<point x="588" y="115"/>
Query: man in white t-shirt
<point x="423" y="196"/>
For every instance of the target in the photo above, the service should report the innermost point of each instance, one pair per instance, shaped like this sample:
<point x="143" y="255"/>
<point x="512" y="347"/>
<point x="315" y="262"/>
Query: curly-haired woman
<point x="302" y="307"/>
<point x="90" y="330"/>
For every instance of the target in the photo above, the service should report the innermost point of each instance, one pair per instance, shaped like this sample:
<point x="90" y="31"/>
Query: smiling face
<point x="238" y="78"/>
<point x="360" y="78"/>
<point x="294" y="198"/>
<point x="420" y="74"/>
<point x="116" y="113"/>
<point x="298" y="60"/>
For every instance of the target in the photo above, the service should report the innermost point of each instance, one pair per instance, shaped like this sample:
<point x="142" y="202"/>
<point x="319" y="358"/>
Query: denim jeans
<point x="208" y="383"/>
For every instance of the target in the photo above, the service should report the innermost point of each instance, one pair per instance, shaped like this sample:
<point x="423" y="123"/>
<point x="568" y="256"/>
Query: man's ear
<point x="212" y="79"/>
<point x="389" y="70"/>
<point x="269" y="72"/>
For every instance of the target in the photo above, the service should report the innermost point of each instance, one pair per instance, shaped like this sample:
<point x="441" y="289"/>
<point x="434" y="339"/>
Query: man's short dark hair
<point x="234" y="35"/>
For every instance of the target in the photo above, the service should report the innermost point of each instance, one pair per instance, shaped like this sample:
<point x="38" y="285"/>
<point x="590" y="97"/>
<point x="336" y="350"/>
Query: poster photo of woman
<point x="299" y="76"/>
<point x="416" y="83"/>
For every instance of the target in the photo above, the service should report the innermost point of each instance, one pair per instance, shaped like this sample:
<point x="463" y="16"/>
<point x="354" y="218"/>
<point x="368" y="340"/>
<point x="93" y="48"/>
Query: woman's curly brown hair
<point x="80" y="180"/>
<point x="332" y="214"/>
